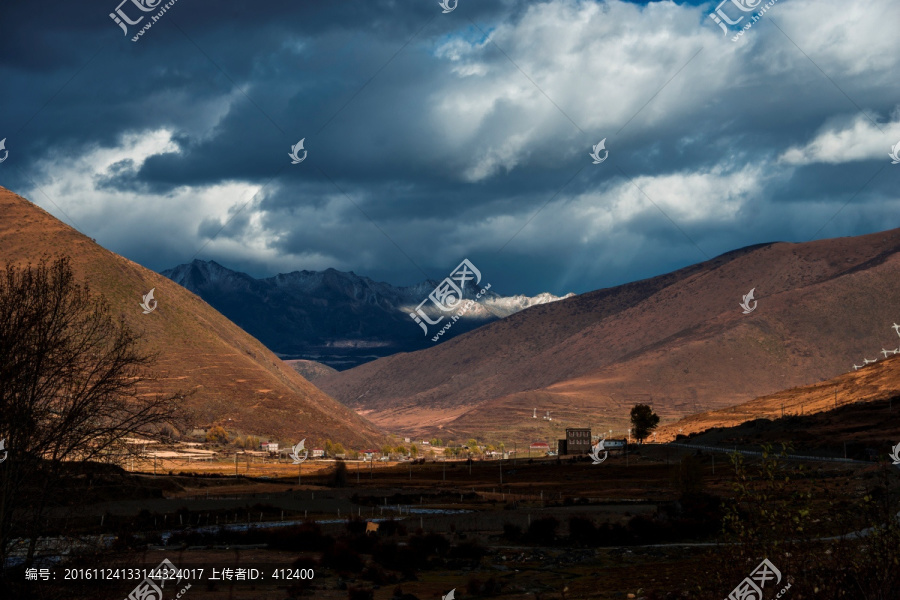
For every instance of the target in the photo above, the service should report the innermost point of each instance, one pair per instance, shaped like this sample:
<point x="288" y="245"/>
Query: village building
<point x="578" y="441"/>
<point x="318" y="453"/>
<point x="539" y="447"/>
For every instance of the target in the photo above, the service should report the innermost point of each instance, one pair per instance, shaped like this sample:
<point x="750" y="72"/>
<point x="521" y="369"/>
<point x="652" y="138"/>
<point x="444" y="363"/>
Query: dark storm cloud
<point x="452" y="145"/>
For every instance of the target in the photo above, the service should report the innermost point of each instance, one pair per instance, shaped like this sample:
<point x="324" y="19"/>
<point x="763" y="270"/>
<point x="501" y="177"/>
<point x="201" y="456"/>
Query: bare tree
<point x="69" y="377"/>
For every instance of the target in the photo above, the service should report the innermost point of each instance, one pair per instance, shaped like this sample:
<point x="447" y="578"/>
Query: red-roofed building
<point x="539" y="447"/>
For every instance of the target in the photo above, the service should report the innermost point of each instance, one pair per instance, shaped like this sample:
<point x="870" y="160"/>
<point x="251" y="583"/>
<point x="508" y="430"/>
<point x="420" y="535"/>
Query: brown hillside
<point x="311" y="369"/>
<point x="678" y="341"/>
<point x="874" y="383"/>
<point x="236" y="381"/>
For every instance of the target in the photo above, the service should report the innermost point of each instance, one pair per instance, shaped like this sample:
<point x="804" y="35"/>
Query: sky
<point x="433" y="136"/>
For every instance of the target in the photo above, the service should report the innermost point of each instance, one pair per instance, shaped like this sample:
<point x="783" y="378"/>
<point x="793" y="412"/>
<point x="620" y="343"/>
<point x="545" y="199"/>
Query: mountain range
<point x="235" y="380"/>
<point x="332" y="317"/>
<point x="691" y="343"/>
<point x="681" y="342"/>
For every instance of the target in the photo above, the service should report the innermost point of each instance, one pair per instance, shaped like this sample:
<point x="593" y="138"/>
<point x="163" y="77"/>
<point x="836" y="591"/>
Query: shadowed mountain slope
<point x="235" y="380"/>
<point x="678" y="341"/>
<point x="333" y="317"/>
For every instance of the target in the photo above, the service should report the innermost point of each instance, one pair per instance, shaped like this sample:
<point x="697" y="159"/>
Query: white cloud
<point x="845" y="39"/>
<point x="847" y="142"/>
<point x="505" y="157"/>
<point x="116" y="217"/>
<point x="599" y="63"/>
<point x="689" y="198"/>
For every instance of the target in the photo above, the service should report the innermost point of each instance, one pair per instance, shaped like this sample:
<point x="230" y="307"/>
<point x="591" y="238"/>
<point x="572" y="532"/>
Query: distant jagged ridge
<point x="333" y="317"/>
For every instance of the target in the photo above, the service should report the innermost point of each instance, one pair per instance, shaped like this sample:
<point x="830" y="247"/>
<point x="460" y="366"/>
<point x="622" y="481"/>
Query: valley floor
<point x="550" y="529"/>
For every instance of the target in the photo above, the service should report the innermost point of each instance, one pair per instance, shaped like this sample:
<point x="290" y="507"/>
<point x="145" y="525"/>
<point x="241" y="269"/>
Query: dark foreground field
<point x="652" y="525"/>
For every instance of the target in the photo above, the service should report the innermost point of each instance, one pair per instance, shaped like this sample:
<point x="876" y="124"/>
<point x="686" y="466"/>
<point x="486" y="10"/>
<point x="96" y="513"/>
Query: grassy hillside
<point x="235" y="380"/>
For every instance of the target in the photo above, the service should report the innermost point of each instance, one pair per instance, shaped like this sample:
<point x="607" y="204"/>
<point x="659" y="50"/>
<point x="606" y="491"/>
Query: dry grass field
<point x="488" y="514"/>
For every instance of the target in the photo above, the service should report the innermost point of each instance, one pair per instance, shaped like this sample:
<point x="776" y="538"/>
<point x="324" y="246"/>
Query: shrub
<point x="391" y="527"/>
<point x="512" y="532"/>
<point x="582" y="532"/>
<point x="469" y="550"/>
<point x="687" y="476"/>
<point x="359" y="593"/>
<point x="300" y="586"/>
<point x="399" y="595"/>
<point x="305" y="562"/>
<point x="356" y="526"/>
<point x="430" y="544"/>
<point x="543" y="531"/>
<point x="342" y="558"/>
<point x="401" y="558"/>
<point x="491" y="587"/>
<point x="217" y="435"/>
<point x="377" y="575"/>
<point x="339" y="475"/>
<point x="307" y="537"/>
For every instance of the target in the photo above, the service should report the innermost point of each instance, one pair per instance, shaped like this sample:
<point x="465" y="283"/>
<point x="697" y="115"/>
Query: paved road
<point x="753" y="453"/>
